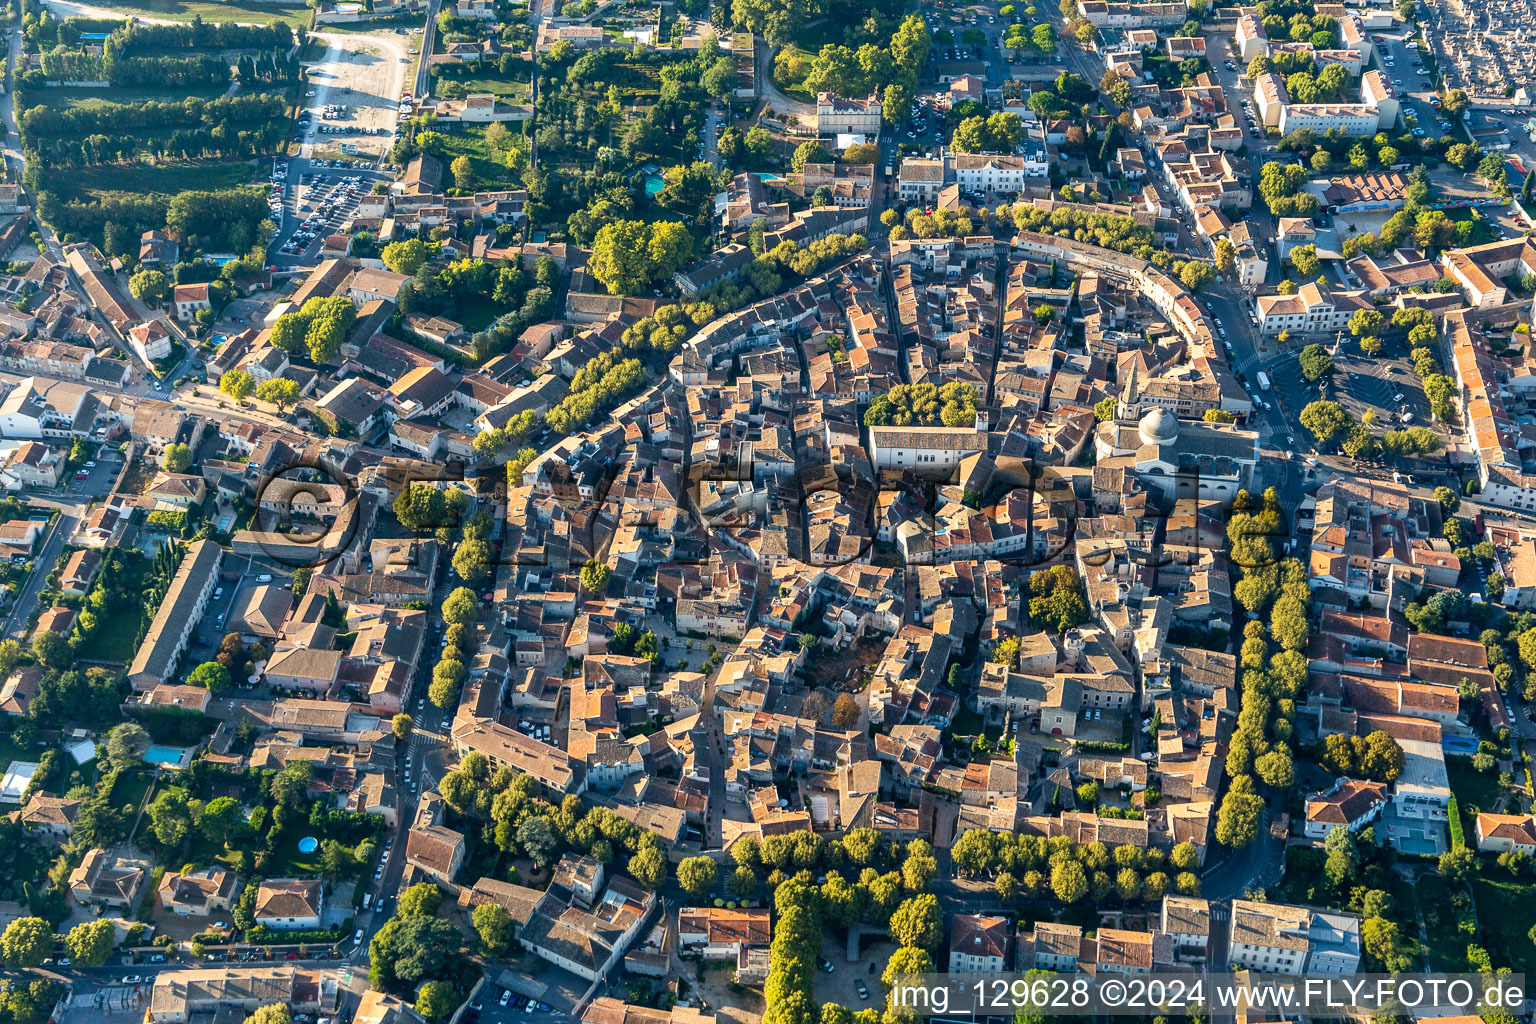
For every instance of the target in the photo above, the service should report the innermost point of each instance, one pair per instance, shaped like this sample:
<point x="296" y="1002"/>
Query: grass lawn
<point x="130" y="789"/>
<point x="813" y="37"/>
<point x="1472" y="787"/>
<point x="202" y="852"/>
<point x="795" y="88"/>
<point x="10" y="751"/>
<point x="115" y="635"/>
<point x="1480" y="233"/>
<point x="490" y="173"/>
<point x="186" y="10"/>
<point x="967" y="723"/>
<point x="1444" y="944"/>
<point x="512" y="92"/>
<point x="292" y="863"/>
<point x="477" y="314"/>
<point x="1504" y="933"/>
<point x="144" y="179"/>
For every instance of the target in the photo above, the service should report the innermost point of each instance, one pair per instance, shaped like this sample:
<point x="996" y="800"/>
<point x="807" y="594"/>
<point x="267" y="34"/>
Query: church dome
<point x="1158" y="427"/>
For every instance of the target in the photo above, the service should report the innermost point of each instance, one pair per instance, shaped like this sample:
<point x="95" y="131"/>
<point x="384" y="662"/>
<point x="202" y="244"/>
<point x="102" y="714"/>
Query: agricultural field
<point x="64" y="99"/>
<point x="293" y="14"/>
<point x="165" y="178"/>
<point x="197" y="108"/>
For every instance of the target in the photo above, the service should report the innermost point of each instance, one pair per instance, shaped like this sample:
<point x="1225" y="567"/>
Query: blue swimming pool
<point x="171" y="757"/>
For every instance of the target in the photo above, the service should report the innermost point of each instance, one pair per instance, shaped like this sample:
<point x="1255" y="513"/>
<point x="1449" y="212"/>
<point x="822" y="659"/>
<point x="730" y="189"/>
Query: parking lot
<point x="852" y="984"/>
<point x="239" y="577"/>
<point x="356" y="91"/>
<point x="322" y="203"/>
<point x="94" y="478"/>
<point x="340" y="121"/>
<point x="1384" y="384"/>
<point x="1388" y="387"/>
<point x="1400" y="60"/>
<point x="520" y="996"/>
<point x="353" y="109"/>
<point x="305" y="186"/>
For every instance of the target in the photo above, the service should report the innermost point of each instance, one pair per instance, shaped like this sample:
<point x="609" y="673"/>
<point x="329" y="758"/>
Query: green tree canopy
<point x="127" y="743"/>
<point x="210" y="675"/>
<point x="25" y="942"/>
<point x="697" y="875"/>
<point x="494" y="926"/>
<point x="237" y="384"/>
<point x="917" y="922"/>
<point x="272" y="1013"/>
<point x="90" y="943"/>
<point x="406" y="256"/>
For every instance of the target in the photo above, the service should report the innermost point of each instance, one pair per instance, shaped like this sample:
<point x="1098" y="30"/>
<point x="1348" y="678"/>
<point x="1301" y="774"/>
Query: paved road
<point x="423" y="65"/>
<point x="14" y="158"/>
<point x="1254" y="866"/>
<point x="710" y="741"/>
<point x="62" y="528"/>
<point x="712" y="117"/>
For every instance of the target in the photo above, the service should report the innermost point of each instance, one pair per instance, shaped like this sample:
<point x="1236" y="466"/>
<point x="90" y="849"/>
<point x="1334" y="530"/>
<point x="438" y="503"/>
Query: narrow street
<point x="59" y="531"/>
<point x="15" y="160"/>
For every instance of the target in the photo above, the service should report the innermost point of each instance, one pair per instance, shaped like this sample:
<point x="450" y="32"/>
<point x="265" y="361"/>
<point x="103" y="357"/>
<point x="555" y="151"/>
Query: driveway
<point x="776" y="99"/>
